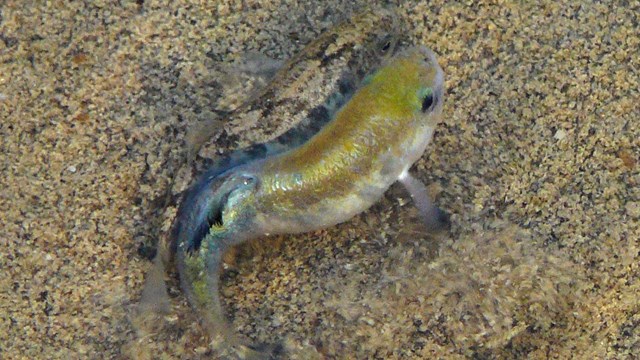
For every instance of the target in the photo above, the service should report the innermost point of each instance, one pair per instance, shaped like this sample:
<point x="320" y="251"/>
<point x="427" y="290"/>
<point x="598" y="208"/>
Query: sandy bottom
<point x="537" y="161"/>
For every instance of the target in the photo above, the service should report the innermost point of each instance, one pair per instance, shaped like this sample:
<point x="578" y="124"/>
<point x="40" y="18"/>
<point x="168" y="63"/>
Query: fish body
<point x="297" y="102"/>
<point x="343" y="169"/>
<point x="347" y="166"/>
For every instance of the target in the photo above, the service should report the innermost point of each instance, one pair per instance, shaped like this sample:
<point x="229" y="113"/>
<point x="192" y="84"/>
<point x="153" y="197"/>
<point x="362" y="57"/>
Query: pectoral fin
<point x="433" y="217"/>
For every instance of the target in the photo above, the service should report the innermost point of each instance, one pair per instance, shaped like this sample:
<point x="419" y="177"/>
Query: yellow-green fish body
<point x="339" y="172"/>
<point x="347" y="166"/>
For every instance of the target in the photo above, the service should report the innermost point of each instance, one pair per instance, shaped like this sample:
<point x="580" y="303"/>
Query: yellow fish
<point x="342" y="170"/>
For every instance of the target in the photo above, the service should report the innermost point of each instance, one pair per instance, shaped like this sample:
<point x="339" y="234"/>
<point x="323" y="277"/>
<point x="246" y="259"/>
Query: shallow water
<point x="537" y="162"/>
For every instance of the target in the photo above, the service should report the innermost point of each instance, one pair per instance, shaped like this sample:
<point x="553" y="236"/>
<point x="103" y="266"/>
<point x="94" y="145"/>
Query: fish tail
<point x="199" y="272"/>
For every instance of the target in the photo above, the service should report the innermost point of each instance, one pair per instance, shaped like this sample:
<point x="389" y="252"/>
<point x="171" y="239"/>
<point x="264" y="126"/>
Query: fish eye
<point x="386" y="43"/>
<point x="426" y="96"/>
<point x="427" y="102"/>
<point x="386" y="46"/>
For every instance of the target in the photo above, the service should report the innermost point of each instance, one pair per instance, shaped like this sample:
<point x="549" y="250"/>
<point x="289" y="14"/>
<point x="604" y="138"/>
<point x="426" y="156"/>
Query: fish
<point x="300" y="98"/>
<point x="370" y="143"/>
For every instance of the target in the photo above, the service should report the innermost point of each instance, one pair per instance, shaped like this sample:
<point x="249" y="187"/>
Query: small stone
<point x="368" y="321"/>
<point x="560" y="134"/>
<point x="276" y="323"/>
<point x="72" y="169"/>
<point x="200" y="350"/>
<point x="633" y="209"/>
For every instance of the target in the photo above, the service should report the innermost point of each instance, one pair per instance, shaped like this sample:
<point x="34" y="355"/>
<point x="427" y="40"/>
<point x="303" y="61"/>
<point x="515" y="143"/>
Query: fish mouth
<point x="201" y="208"/>
<point x="204" y="205"/>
